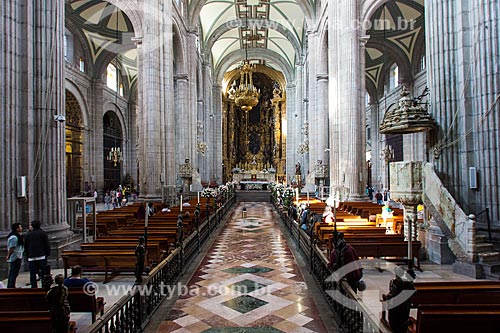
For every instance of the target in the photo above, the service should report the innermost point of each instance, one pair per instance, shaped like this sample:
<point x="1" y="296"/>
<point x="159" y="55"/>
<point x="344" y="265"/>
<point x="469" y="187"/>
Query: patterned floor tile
<point x="248" y="282"/>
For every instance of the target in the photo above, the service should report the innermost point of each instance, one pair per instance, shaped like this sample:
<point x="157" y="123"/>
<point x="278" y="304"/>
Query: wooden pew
<point x="33" y="299"/>
<point x="105" y="260"/>
<point x="153" y="248"/>
<point x="25" y="321"/>
<point x="457" y="318"/>
<point x="370" y="238"/>
<point x="456" y="292"/>
<point x="162" y="241"/>
<point x="326" y="232"/>
<point x="384" y="249"/>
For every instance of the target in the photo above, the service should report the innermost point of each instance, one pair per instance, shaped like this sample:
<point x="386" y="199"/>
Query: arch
<point x="132" y="10"/>
<point x="196" y="6"/>
<point x="75" y="91"/>
<point x="178" y="49"/>
<point x="112" y="107"/>
<point x="81" y="40"/>
<point x="264" y="23"/>
<point x="368" y="8"/>
<point x="268" y="55"/>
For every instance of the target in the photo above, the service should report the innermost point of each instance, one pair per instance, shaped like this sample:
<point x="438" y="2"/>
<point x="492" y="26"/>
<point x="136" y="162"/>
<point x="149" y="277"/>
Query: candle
<point x="198" y="197"/>
<point x="181" y="203"/>
<point x="308" y="198"/>
<point x="147" y="215"/>
<point x="297" y="191"/>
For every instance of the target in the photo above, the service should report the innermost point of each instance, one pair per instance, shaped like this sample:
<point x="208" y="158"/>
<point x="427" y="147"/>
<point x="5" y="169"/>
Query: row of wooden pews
<point x="370" y="239"/>
<point x="26" y="309"/>
<point x="455" y="306"/>
<point x="113" y="252"/>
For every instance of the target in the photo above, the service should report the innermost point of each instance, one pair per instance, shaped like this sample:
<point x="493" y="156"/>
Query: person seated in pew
<point x="345" y="254"/>
<point x="328" y="215"/>
<point x="76" y="280"/>
<point x="59" y="309"/>
<point x="399" y="307"/>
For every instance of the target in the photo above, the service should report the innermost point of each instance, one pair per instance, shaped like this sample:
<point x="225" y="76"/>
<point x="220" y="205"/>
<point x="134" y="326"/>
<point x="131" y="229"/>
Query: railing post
<point x="180" y="235"/>
<point x="197" y="224"/>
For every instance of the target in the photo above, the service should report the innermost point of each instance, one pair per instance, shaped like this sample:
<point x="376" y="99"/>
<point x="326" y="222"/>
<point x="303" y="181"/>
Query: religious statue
<point x="297" y="169"/>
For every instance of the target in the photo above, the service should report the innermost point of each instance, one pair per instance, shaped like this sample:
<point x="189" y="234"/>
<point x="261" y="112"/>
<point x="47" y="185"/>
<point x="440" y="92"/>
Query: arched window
<point x="394" y="77"/>
<point x="112" y="77"/>
<point x="422" y="63"/>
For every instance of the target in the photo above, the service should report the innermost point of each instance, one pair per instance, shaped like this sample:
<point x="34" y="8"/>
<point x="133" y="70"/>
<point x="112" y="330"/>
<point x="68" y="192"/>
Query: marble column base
<point x="437" y="247"/>
<point x="468" y="269"/>
<point x="61" y="238"/>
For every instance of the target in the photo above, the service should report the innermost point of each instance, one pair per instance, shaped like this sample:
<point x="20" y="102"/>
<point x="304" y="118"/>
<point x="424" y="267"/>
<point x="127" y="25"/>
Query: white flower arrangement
<point x="209" y="192"/>
<point x="271" y="170"/>
<point x="223" y="188"/>
<point x="236" y="170"/>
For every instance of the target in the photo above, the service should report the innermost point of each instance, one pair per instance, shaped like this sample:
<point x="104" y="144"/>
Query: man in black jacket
<point x="37" y="249"/>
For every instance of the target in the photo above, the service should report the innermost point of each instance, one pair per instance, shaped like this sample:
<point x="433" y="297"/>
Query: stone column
<point x="45" y="145"/>
<point x="291" y="135"/>
<point x="321" y="135"/>
<point x="14" y="121"/>
<point x="345" y="72"/>
<point x="462" y="43"/>
<point x="157" y="114"/>
<point x="216" y="134"/>
<point x="182" y="121"/>
<point x="95" y="144"/>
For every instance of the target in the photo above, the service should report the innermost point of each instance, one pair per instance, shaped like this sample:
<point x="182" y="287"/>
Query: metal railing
<point x="350" y="313"/>
<point x="133" y="311"/>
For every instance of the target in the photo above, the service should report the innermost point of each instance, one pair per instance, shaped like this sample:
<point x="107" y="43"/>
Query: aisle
<point x="248" y="279"/>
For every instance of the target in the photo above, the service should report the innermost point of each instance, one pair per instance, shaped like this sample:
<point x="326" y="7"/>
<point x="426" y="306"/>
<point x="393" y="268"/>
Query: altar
<point x="254" y="180"/>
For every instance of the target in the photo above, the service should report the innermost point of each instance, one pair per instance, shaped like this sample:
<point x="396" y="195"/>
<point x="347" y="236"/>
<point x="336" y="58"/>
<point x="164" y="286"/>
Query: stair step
<point x="484" y="247"/>
<point x="495" y="277"/>
<point x="491" y="268"/>
<point x="481" y="238"/>
<point x="489" y="257"/>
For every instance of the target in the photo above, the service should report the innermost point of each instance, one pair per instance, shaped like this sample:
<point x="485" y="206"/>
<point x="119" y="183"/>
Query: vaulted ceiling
<point x="229" y="26"/>
<point x="396" y="35"/>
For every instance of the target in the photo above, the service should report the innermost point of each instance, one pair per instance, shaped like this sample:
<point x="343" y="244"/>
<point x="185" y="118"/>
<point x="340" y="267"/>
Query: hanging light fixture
<point x="115" y="154"/>
<point x="246" y="95"/>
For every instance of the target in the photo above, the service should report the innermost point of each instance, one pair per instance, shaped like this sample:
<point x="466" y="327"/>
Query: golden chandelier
<point x="246" y="95"/>
<point x="115" y="155"/>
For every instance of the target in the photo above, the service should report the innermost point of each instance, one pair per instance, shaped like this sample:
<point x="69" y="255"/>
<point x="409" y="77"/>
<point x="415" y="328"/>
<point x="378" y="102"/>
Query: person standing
<point x="140" y="255"/>
<point x="15" y="249"/>
<point x="37" y="249"/>
<point x="107" y="201"/>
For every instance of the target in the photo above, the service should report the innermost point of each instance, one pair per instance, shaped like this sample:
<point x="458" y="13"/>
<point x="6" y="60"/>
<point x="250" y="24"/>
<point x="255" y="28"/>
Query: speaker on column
<point x="21" y="186"/>
<point x="473" y="178"/>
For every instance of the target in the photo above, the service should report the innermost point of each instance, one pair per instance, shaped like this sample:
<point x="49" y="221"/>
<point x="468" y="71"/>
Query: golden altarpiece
<point x="254" y="142"/>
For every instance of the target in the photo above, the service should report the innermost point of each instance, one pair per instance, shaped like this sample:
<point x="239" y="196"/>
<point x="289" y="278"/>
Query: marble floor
<point x="252" y="279"/>
<point x="248" y="282"/>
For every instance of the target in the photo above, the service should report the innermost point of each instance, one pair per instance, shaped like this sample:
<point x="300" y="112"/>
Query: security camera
<point x="60" y="118"/>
